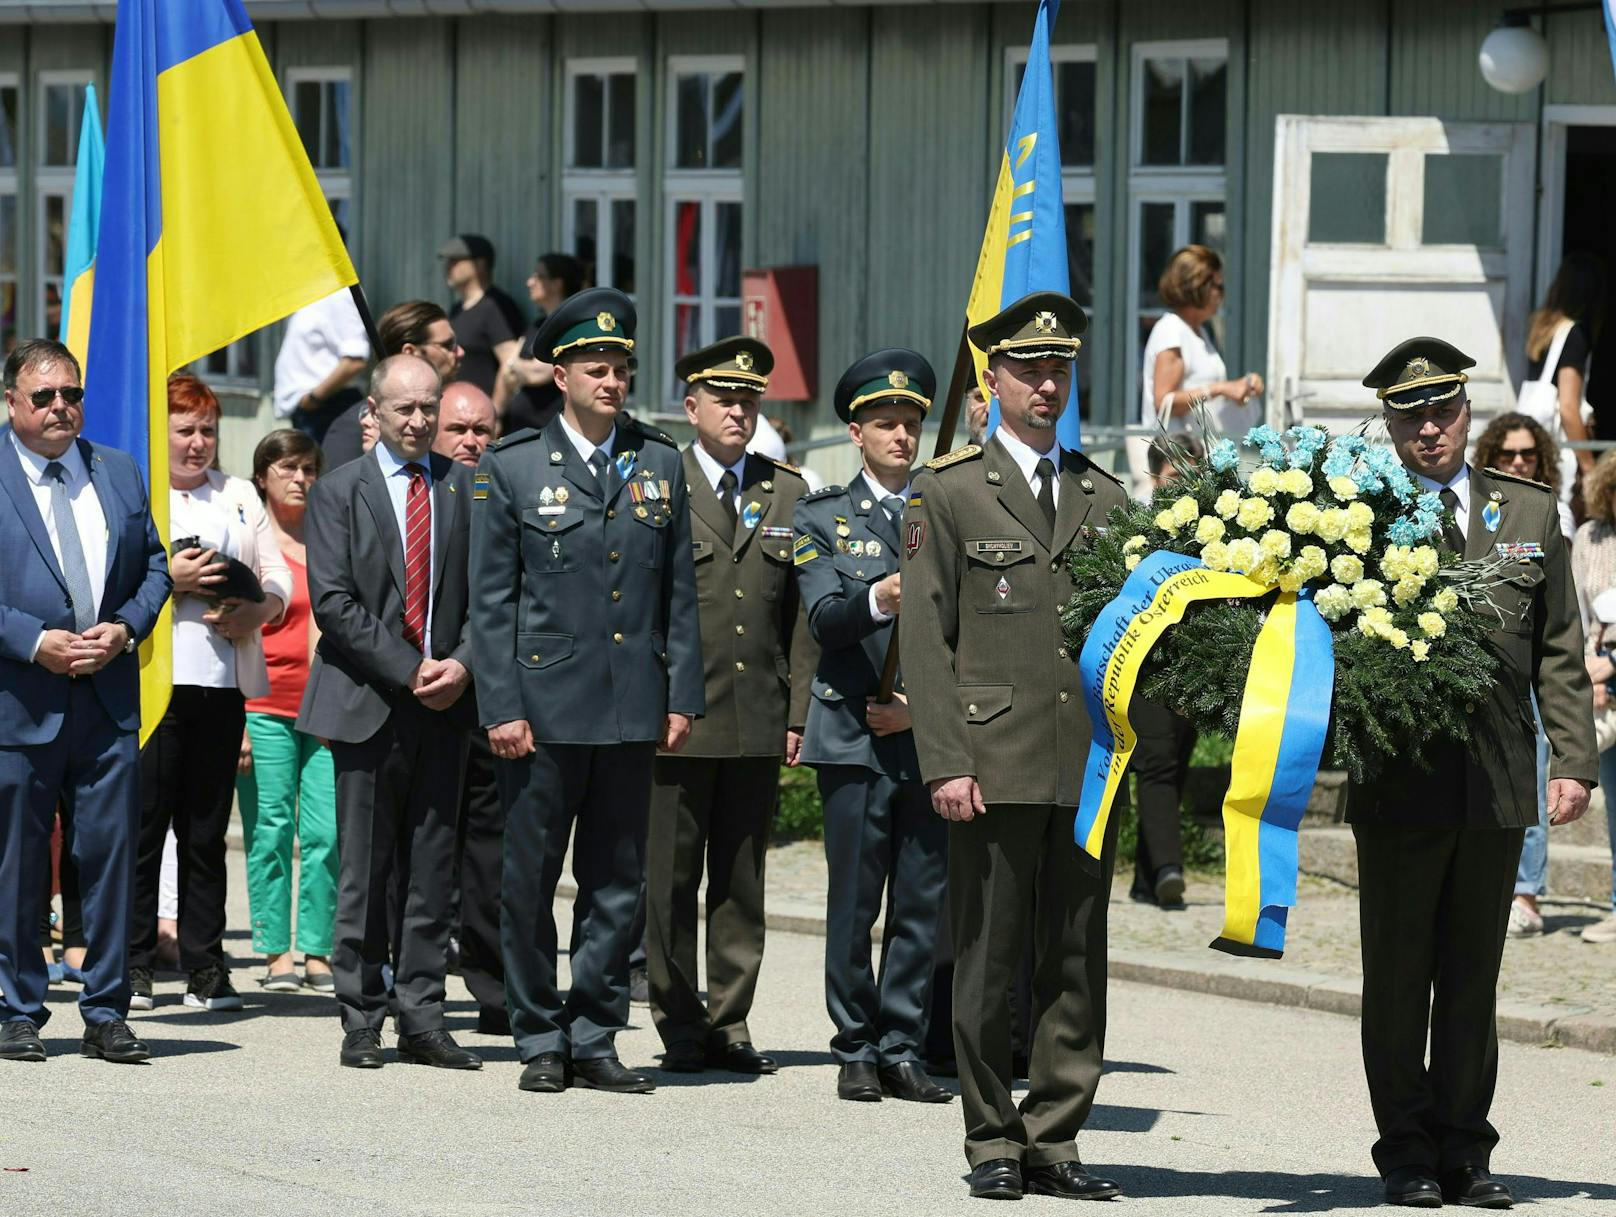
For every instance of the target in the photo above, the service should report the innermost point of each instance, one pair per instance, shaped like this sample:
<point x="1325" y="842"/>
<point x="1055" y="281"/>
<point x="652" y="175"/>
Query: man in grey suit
<point x="387" y="537"/>
<point x="587" y="654"/>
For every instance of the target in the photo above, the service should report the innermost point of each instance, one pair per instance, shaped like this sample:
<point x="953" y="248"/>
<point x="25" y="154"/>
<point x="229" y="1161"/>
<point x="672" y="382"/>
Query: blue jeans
<point x="1607" y="783"/>
<point x="1532" y="874"/>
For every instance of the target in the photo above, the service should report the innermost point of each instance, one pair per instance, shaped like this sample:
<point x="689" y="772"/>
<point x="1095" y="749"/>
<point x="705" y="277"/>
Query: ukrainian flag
<point x="1024" y="248"/>
<point x="83" y="227"/>
<point x="212" y="226"/>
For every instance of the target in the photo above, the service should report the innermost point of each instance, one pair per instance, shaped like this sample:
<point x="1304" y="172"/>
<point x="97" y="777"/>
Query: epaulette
<point x="1510" y="477"/>
<point x="955" y="457"/>
<point x="650" y="432"/>
<point x="778" y="464"/>
<point x="1092" y="467"/>
<point x="826" y="492"/>
<point x="516" y="437"/>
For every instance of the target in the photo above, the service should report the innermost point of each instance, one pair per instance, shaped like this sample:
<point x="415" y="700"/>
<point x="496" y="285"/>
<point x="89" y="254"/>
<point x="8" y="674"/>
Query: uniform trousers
<point x="92" y="769"/>
<point x="605" y="789"/>
<point x="1433" y="905"/>
<point x="993" y="862"/>
<point x="881" y="837"/>
<point x="713" y="812"/>
<point x="398" y="794"/>
<point x="482" y="859"/>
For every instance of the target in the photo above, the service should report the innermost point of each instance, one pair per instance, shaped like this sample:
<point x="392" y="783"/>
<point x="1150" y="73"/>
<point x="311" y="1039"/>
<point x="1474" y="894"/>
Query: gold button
<point x="1054" y="567"/>
<point x="740" y="629"/>
<point x="781" y="552"/>
<point x="552" y="523"/>
<point x="739" y="594"/>
<point x="739" y="666"/>
<point x="618" y="638"/>
<point x="859" y="573"/>
<point x="614" y="555"/>
<point x="535" y="659"/>
<point x="971" y="709"/>
<point x="1061" y="652"/>
<point x="616" y="595"/>
<point x="1065" y="696"/>
<point x="611" y="513"/>
<point x="998" y="557"/>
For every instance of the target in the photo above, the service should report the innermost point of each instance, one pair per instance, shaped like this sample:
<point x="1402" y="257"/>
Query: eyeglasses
<point x="1217" y="285"/>
<point x="448" y="344"/>
<point x="1517" y="454"/>
<point x="71" y="395"/>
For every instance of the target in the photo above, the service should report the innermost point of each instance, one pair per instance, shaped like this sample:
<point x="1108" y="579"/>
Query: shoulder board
<point x="650" y="432"/>
<point x="829" y="492"/>
<point x="786" y="465"/>
<point x="1510" y="477"/>
<point x="516" y="437"/>
<point x="1089" y="466"/>
<point x="954" y="457"/>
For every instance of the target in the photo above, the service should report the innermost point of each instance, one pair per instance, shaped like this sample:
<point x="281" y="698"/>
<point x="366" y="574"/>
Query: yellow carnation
<point x="1264" y="481"/>
<point x="1302" y="517"/>
<point x="1420" y="649"/>
<point x="1332" y="525"/>
<point x="1228" y="503"/>
<point x="1344" y="487"/>
<point x="1215" y="556"/>
<point x="1134" y="544"/>
<point x="1359" y="539"/>
<point x="1347" y="568"/>
<point x="1397" y="638"/>
<point x="1380" y="618"/>
<point x="1333" y="602"/>
<point x="1276" y="544"/>
<point x="1311" y="562"/>
<point x="1368" y="593"/>
<point x="1131" y="561"/>
<point x="1210" y="529"/>
<point x="1394" y="562"/>
<point x="1446" y="600"/>
<point x="1406" y="591"/>
<point x="1291" y="580"/>
<point x="1185" y="511"/>
<point x="1296" y="482"/>
<point x="1423" y="559"/>
<point x="1359" y="515"/>
<point x="1244" y="554"/>
<point x="1165" y="521"/>
<point x="1266" y="571"/>
<point x="1254" y="513"/>
<point x="1432" y="625"/>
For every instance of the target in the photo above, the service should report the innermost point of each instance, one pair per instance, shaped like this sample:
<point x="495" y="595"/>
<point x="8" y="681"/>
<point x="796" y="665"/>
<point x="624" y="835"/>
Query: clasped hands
<point x="438" y="683"/>
<point x="70" y="654"/>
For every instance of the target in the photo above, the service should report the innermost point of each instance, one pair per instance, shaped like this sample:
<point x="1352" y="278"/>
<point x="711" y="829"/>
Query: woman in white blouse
<point x="188" y="766"/>
<point x="1182" y="362"/>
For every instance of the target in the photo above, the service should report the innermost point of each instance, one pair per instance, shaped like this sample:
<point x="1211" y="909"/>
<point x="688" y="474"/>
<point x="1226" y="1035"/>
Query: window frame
<point x="10" y="187"/>
<point x="334" y="183"/>
<point x="52" y="181"/>
<point x="603" y="186"/>
<point x="1186" y="49"/>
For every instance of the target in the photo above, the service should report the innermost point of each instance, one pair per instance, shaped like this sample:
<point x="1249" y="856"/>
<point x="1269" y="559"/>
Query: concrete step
<point x="1576" y="872"/>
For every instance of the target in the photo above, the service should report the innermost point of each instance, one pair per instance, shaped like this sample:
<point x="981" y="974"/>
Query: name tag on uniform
<point x="997" y="547"/>
<point x="552" y="509"/>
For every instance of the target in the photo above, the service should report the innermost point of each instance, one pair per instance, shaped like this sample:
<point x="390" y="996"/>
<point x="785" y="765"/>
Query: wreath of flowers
<point x="1336" y="518"/>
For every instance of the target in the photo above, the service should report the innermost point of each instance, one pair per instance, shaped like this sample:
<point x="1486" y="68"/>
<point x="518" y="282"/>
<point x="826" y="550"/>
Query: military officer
<point x="880" y="835"/>
<point x="1002" y="735"/>
<point x="584" y="631"/>
<point x="1438" y="846"/>
<point x="713" y="803"/>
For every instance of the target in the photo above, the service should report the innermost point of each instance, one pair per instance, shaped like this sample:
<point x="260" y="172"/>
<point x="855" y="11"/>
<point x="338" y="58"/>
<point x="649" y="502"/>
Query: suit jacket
<point x="1490" y="780"/>
<point x="33" y="594"/>
<point x="758" y="652"/>
<point x="995" y="692"/>
<point x="362" y="666"/>
<point x="836" y="572"/>
<point x="584" y="616"/>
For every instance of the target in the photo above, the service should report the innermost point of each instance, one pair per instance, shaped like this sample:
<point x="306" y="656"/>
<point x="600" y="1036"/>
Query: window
<point x="8" y="214"/>
<point x="1073" y="70"/>
<point x="60" y="115"/>
<point x="704" y="192"/>
<point x="1176" y="178"/>
<point x="599" y="186"/>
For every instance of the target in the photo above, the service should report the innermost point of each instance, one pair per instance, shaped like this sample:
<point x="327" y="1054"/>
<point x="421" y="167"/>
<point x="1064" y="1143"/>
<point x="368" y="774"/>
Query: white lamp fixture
<point x="1514" y="58"/>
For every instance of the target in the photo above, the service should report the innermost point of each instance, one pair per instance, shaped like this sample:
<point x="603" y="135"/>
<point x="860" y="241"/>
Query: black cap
<point x="1044" y="325"/>
<point x="731" y="363"/>
<point x="468" y="245"/>
<point x="1419" y="372"/>
<point x="896" y="374"/>
<point x="597" y="319"/>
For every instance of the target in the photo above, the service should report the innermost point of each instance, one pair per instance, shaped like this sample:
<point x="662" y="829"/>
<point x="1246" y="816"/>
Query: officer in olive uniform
<point x="880" y="834"/>
<point x="713" y="803"/>
<point x="1002" y="735"/>
<point x="1438" y="847"/>
<point x="585" y="640"/>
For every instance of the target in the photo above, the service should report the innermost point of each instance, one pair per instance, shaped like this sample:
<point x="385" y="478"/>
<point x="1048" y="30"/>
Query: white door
<point x="1390" y="228"/>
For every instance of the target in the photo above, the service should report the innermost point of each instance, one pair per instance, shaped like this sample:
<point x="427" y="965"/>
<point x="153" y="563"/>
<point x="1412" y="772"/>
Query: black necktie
<point x="1045" y="469"/>
<point x="726" y="498"/>
<point x="1450" y="521"/>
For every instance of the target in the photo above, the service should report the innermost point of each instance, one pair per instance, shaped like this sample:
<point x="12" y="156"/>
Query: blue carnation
<point x="1404" y="531"/>
<point x="1224" y="456"/>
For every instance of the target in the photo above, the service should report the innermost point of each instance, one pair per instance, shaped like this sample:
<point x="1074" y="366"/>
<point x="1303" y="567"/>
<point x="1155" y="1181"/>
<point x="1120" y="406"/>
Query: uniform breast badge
<point x="752" y="514"/>
<point x="1003" y="588"/>
<point x="1491" y="517"/>
<point x="625" y="463"/>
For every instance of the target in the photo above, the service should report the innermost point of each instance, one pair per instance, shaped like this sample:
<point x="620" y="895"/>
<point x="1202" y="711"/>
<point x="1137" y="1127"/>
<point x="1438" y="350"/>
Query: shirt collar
<point x="1026" y="458"/>
<point x="713" y="470"/>
<point x="33" y="464"/>
<point x="392" y="466"/>
<point x="1459" y="483"/>
<point x="880" y="493"/>
<point x="584" y="447"/>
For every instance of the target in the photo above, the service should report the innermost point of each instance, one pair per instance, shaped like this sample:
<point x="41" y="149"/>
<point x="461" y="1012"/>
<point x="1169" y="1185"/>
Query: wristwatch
<point x="128" y="647"/>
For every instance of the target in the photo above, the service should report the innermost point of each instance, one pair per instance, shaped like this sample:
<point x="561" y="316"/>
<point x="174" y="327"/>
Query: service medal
<point x="1491" y="517"/>
<point x="872" y="549"/>
<point x="1003" y="588"/>
<point x="625" y="463"/>
<point x="752" y="514"/>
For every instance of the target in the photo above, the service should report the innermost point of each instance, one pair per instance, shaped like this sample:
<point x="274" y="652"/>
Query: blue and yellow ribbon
<point x="1284" y="716"/>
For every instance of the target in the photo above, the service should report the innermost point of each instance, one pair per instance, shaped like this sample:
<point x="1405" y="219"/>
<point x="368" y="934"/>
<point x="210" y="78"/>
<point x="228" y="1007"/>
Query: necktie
<point x="1045" y="470"/>
<point x="74" y="568"/>
<point x="605" y="471"/>
<point x="894" y="508"/>
<point x="726" y="497"/>
<point x="417" y="555"/>
<point x="1450" y="521"/>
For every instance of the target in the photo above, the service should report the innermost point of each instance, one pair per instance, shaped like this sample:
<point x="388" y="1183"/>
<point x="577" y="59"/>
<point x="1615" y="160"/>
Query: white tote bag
<point x="1539" y="400"/>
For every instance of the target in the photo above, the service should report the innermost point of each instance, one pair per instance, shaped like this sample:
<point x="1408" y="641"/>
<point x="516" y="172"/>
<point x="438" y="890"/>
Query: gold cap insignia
<point x="1043" y="323"/>
<point x="743" y="361"/>
<point x="897" y="379"/>
<point x="606" y="321"/>
<point x="1417" y="367"/>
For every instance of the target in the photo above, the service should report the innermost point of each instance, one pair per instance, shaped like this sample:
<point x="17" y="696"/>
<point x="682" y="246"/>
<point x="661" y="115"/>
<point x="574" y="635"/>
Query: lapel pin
<point x="555" y="456"/>
<point x="1087" y="485"/>
<point x="766" y="484"/>
<point x="993" y="475"/>
<point x="865" y="505"/>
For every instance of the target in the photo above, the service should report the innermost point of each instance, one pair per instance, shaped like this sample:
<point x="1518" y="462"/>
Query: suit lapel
<point x="755" y="474"/>
<point x="373" y="489"/>
<point x="1075" y="502"/>
<point x="1479" y="539"/>
<point x="22" y="498"/>
<point x="444" y="500"/>
<point x="565" y="455"/>
<point x="703" y="499"/>
<point x="106" y="496"/>
<point x="1014" y="493"/>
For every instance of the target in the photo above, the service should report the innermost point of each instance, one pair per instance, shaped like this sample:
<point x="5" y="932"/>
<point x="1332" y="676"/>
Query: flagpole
<point x="964" y="366"/>
<point x="357" y="291"/>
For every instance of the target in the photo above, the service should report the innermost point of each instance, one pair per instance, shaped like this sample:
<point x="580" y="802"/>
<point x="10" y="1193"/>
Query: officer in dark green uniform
<point x="713" y="803"/>
<point x="588" y="653"/>
<point x="880" y="833"/>
<point x="1438" y="847"/>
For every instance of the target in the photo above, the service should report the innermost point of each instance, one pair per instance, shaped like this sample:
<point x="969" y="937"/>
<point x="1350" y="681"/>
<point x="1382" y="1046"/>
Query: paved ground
<point x="1211" y="1106"/>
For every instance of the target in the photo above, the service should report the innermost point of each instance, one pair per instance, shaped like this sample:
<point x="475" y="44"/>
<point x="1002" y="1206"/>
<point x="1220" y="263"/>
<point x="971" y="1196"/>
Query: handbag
<point x="1539" y="400"/>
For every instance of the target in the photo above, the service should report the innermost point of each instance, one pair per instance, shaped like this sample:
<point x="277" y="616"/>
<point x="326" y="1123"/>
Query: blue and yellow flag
<point x="1024" y="247"/>
<point x="212" y="226"/>
<point x="83" y="227"/>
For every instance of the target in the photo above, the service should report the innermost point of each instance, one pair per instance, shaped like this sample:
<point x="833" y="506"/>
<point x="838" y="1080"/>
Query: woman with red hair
<point x="229" y="582"/>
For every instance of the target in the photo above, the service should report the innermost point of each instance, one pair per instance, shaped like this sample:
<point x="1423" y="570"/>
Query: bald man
<point x="467" y="423"/>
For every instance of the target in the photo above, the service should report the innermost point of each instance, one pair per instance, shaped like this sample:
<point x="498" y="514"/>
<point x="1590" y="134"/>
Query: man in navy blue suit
<point x="83" y="580"/>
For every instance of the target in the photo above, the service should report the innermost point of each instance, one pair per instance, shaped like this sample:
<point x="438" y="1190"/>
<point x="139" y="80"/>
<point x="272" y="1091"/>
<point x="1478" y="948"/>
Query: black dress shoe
<point x="1170" y="887"/>
<point x="741" y="1057"/>
<point x="685" y="1058"/>
<point x="545" y="1073"/>
<point x="438" y="1049"/>
<point x="113" y="1041"/>
<point x="19" y="1041"/>
<point x="1474" y="1188"/>
<point x="493" y="1021"/>
<point x="362" y="1049"/>
<point x="858" y="1082"/>
<point x="1413" y="1187"/>
<point x="1070" y="1181"/>
<point x="609" y="1073"/>
<point x="998" y="1179"/>
<point x="908" y="1081"/>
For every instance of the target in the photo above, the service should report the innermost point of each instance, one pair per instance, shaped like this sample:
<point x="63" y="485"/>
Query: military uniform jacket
<point x="1492" y="782"/>
<point x="845" y="543"/>
<point x="755" y="642"/>
<point x="994" y="689"/>
<point x="583" y="602"/>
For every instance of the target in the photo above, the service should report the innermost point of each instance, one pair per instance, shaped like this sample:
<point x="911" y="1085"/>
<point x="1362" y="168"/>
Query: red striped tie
<point x="417" y="555"/>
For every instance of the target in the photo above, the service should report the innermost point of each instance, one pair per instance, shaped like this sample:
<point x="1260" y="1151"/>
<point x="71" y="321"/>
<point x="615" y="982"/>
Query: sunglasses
<point x="1518" y="454"/>
<point x="72" y="395"/>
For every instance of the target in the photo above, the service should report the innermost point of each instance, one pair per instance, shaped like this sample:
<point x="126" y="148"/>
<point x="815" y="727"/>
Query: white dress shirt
<point x="88" y="515"/>
<point x="317" y="337"/>
<point x="584" y="447"/>
<point x="714" y="471"/>
<point x="1027" y="459"/>
<point x="1460" y="485"/>
<point x="882" y="494"/>
<point x="398" y="489"/>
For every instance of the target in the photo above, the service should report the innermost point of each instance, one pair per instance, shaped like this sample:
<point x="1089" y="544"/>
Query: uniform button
<point x="737" y="557"/>
<point x="1054" y="567"/>
<point x="971" y="709"/>
<point x="618" y="638"/>
<point x="614" y="555"/>
<point x="739" y="666"/>
<point x="1065" y="696"/>
<point x="611" y="513"/>
<point x="859" y="573"/>
<point x="739" y="594"/>
<point x="1061" y="652"/>
<point x="534" y="659"/>
<point x="616" y="595"/>
<point x="740" y="629"/>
